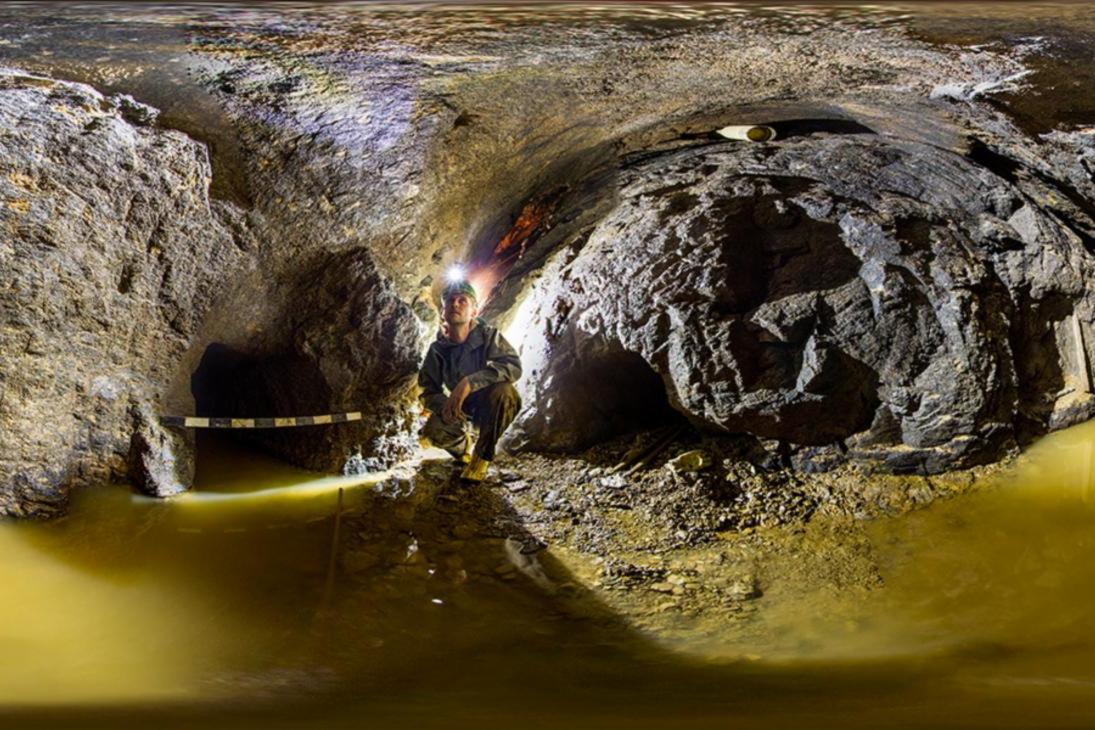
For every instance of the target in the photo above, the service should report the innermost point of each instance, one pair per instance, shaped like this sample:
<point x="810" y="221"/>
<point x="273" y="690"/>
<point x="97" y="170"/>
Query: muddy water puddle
<point x="220" y="607"/>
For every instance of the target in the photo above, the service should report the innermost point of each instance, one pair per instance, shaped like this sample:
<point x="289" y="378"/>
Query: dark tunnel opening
<point x="612" y="394"/>
<point x="802" y="127"/>
<point x="787" y="128"/>
<point x="232" y="384"/>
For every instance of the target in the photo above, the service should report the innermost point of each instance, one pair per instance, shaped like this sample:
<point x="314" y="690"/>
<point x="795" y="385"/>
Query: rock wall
<point x="112" y="253"/>
<point x="855" y="296"/>
<point x="899" y="277"/>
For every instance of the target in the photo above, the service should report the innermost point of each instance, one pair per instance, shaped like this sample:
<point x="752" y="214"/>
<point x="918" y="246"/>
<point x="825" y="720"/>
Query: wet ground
<point x="222" y="606"/>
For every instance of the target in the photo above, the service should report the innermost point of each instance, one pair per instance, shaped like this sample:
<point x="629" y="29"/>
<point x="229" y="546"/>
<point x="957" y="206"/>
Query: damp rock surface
<point x="111" y="252"/>
<point x="854" y="296"/>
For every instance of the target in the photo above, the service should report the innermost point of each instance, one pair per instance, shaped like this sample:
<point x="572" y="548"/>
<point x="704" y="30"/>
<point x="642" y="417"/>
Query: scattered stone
<point x="690" y="461"/>
<point x="161" y="460"/>
<point x="744" y="589"/>
<point x="358" y="465"/>
<point x="623" y="573"/>
<point x="134" y="111"/>
<point x="614" y="481"/>
<point x="527" y="564"/>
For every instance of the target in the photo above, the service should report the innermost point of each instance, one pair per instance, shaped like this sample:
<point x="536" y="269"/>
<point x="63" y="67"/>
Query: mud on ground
<point x="689" y="556"/>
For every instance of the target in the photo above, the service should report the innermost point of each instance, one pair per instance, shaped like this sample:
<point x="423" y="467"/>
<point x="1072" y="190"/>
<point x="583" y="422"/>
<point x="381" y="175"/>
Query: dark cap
<point x="459" y="287"/>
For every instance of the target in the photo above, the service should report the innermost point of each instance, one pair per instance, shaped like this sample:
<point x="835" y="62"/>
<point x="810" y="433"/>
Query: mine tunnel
<point x="757" y="297"/>
<point x="801" y="299"/>
<point x="229" y="384"/>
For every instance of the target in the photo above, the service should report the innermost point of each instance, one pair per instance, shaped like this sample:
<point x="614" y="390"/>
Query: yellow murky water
<point x="130" y="599"/>
<point x="1004" y="573"/>
<point x="214" y="604"/>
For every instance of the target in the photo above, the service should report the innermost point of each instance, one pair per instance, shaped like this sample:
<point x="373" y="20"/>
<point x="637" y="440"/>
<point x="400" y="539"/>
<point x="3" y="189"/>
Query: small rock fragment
<point x="690" y="461"/>
<point x="613" y="481"/>
<point x="744" y="589"/>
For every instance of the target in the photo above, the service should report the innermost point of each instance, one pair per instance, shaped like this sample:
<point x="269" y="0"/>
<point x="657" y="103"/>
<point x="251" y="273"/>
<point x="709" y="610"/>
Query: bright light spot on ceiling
<point x="748" y="132"/>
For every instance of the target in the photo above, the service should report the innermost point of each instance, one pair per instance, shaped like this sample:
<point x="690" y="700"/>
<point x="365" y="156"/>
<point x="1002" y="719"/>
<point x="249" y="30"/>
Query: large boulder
<point x="111" y="254"/>
<point x="883" y="298"/>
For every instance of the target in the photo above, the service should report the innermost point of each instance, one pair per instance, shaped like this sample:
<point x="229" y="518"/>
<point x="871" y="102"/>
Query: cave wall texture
<point x="900" y="278"/>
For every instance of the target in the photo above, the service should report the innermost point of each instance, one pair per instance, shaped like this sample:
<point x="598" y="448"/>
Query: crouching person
<point x="475" y="363"/>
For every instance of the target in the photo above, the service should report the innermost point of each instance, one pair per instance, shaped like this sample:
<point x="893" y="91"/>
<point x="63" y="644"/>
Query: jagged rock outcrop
<point x="111" y="252"/>
<point x="122" y="274"/>
<point x="885" y="298"/>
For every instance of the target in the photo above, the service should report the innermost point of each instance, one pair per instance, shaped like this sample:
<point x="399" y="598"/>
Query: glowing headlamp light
<point x="456" y="274"/>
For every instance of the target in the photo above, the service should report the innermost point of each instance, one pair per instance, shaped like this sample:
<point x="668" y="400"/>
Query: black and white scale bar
<point x="213" y="422"/>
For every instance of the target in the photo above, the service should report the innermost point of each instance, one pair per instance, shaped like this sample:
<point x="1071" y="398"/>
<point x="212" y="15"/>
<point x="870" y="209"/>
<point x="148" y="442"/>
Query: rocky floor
<point x="698" y="541"/>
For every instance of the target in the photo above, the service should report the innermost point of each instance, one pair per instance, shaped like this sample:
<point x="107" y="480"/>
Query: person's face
<point x="460" y="309"/>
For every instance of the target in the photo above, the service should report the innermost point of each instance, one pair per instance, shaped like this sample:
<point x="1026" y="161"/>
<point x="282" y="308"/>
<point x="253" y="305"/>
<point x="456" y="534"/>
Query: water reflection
<point x="223" y="593"/>
<point x="984" y="598"/>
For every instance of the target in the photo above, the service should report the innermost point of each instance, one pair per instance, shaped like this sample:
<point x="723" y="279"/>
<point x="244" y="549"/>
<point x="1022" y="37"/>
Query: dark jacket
<point x="486" y="357"/>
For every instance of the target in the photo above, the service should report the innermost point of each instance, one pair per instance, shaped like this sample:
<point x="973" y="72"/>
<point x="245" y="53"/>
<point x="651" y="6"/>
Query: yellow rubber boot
<point x="466" y="456"/>
<point x="476" y="470"/>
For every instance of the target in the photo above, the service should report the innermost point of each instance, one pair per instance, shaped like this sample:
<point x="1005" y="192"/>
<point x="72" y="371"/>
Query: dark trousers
<point x="491" y="409"/>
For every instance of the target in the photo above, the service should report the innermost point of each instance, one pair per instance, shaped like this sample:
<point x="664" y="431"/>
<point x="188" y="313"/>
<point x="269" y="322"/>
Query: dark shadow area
<point x="1037" y="363"/>
<point x="804" y="127"/>
<point x="840" y="398"/>
<point x="338" y="339"/>
<point x="993" y="161"/>
<point x="788" y="128"/>
<point x="232" y="384"/>
<point x="596" y="398"/>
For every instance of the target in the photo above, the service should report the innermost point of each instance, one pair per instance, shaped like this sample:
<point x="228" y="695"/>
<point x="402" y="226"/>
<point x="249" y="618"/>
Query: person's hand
<point x="454" y="406"/>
